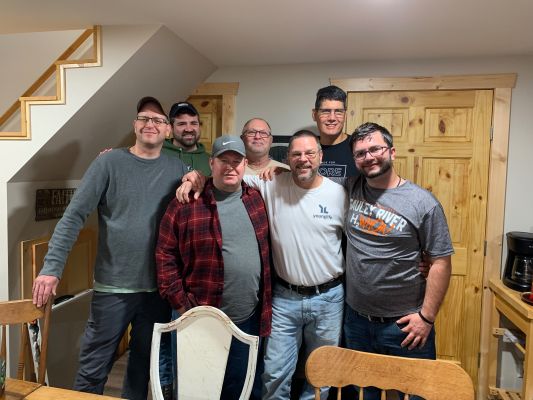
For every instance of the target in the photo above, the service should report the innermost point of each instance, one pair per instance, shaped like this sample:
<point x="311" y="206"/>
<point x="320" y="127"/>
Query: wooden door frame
<point x="228" y="91"/>
<point x="502" y="85"/>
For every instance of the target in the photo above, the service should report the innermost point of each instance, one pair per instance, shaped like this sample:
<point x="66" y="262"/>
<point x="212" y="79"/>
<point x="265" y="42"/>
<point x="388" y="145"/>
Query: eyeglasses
<point x="252" y="132"/>
<point x="156" y="120"/>
<point x="374" y="151"/>
<point x="310" y="155"/>
<point x="326" y="112"/>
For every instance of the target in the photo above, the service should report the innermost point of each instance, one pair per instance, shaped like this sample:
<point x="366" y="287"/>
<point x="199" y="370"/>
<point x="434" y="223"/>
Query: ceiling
<point x="253" y="32"/>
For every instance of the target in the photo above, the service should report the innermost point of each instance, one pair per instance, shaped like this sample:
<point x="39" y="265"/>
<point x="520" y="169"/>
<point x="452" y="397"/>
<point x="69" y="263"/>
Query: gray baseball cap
<point x="228" y="143"/>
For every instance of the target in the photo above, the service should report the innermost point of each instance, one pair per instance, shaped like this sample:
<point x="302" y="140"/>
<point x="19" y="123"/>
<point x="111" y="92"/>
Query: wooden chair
<point x="430" y="379"/>
<point x="23" y="312"/>
<point x="203" y="341"/>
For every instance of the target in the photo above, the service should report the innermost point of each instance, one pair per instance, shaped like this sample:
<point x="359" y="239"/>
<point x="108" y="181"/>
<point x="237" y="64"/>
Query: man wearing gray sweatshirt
<point x="130" y="188"/>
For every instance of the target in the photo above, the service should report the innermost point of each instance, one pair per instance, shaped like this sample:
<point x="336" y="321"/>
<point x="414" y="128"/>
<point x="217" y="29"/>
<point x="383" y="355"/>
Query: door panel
<point x="442" y="141"/>
<point x="210" y="109"/>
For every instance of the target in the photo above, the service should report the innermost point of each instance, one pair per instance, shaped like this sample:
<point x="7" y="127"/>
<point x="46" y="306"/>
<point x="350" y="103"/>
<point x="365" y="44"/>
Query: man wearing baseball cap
<point x="185" y="140"/>
<point x="129" y="191"/>
<point x="215" y="251"/>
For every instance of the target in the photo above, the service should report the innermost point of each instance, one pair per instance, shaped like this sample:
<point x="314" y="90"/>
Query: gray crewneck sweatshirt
<point x="131" y="195"/>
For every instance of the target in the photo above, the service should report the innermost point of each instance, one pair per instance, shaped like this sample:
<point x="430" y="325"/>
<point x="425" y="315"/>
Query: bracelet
<point x="427" y="321"/>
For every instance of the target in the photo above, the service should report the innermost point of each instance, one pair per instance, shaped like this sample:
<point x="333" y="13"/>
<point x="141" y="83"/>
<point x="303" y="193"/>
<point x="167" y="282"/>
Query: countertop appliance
<point x="518" y="273"/>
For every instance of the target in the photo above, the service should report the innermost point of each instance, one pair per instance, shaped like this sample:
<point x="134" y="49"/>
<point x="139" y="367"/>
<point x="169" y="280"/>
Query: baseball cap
<point x="228" y="143"/>
<point x="150" y="100"/>
<point x="182" y="108"/>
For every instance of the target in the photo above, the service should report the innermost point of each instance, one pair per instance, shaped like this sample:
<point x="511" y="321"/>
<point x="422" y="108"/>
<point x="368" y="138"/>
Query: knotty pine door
<point x="442" y="141"/>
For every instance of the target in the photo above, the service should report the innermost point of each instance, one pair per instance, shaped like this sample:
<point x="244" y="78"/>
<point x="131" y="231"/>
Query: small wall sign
<point x="51" y="203"/>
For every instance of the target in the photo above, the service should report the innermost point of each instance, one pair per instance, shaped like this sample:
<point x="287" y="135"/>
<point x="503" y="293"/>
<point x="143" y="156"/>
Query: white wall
<point x="285" y="95"/>
<point x="25" y="56"/>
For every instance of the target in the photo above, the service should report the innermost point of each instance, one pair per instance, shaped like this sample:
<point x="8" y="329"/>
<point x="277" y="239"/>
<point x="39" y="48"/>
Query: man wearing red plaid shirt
<point x="215" y="251"/>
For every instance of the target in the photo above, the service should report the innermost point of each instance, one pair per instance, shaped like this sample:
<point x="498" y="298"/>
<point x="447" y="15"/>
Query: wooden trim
<point x="47" y="74"/>
<point x="228" y="114"/>
<point x="228" y="91"/>
<point x="216" y="89"/>
<point x="494" y="234"/>
<point x="58" y="68"/>
<point x="426" y="83"/>
<point x="502" y="85"/>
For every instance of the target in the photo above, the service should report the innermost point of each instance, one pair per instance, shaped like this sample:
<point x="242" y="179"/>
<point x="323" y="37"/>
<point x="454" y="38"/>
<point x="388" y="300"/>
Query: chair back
<point x="430" y="379"/>
<point x="25" y="313"/>
<point x="203" y="342"/>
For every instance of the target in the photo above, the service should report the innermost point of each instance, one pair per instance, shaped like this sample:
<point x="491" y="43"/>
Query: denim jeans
<point x="109" y="317"/>
<point x="166" y="365"/>
<point x="315" y="319"/>
<point x="382" y="338"/>
<point x="237" y="364"/>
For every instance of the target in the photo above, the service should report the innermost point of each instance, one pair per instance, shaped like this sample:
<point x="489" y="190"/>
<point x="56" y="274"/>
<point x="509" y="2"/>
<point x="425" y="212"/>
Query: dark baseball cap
<point x="182" y="108"/>
<point x="141" y="105"/>
<point x="228" y="143"/>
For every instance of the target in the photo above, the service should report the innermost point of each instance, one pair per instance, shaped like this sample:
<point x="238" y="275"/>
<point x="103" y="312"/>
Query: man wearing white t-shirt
<point x="306" y="213"/>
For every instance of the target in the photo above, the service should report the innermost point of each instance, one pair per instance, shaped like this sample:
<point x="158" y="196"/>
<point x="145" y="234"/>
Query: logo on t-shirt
<point x="374" y="219"/>
<point x="332" y="170"/>
<point x="323" y="214"/>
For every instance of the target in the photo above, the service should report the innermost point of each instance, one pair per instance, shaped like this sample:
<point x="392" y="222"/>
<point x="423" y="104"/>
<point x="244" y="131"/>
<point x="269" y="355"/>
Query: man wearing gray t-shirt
<point x="390" y="224"/>
<point x="215" y="251"/>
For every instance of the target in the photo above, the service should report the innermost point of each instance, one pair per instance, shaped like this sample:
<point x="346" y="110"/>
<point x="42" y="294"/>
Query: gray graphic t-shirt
<point x="387" y="231"/>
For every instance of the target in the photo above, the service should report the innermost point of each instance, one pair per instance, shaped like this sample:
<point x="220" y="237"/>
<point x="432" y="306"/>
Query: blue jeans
<point x="237" y="364"/>
<point x="317" y="319"/>
<point x="109" y="317"/>
<point x="166" y="364"/>
<point x="382" y="338"/>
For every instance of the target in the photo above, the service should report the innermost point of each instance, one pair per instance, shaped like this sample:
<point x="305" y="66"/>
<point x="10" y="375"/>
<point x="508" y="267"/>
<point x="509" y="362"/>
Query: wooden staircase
<point x="90" y="37"/>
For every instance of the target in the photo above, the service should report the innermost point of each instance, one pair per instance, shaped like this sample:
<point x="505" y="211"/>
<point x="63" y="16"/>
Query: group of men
<point x="266" y="252"/>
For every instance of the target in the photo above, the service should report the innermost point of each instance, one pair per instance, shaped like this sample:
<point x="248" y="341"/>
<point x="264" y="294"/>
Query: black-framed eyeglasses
<point x="252" y="132"/>
<point x="156" y="120"/>
<point x="326" y="112"/>
<point x="374" y="151"/>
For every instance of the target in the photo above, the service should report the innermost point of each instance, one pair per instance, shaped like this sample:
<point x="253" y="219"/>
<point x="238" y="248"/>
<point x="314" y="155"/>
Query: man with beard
<point x="390" y="224"/>
<point x="185" y="140"/>
<point x="306" y="214"/>
<point x="329" y="114"/>
<point x="257" y="138"/>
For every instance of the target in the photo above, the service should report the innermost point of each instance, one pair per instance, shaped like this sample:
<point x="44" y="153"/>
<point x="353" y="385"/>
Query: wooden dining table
<point x="52" y="393"/>
<point x="22" y="390"/>
<point x="16" y="389"/>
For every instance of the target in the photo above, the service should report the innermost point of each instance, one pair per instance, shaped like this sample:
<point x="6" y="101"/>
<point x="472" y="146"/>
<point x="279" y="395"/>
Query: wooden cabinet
<point x="78" y="272"/>
<point x="507" y="302"/>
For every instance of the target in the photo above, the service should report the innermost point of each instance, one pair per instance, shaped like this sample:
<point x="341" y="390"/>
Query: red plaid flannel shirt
<point x="190" y="268"/>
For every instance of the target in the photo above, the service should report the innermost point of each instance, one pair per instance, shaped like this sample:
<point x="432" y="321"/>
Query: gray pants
<point x="108" y="320"/>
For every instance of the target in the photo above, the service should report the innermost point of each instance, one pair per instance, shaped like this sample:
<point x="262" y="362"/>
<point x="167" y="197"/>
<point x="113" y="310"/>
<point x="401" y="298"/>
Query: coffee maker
<point x="518" y="273"/>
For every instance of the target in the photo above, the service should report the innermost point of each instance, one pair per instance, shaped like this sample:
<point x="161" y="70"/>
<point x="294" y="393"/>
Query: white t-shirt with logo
<point x="305" y="228"/>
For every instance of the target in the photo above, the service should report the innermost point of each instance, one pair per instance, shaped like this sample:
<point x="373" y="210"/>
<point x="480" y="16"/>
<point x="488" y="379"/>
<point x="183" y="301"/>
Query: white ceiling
<point x="253" y="32"/>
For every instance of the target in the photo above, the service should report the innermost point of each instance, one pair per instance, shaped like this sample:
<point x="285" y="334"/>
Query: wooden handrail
<point x="61" y="60"/>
